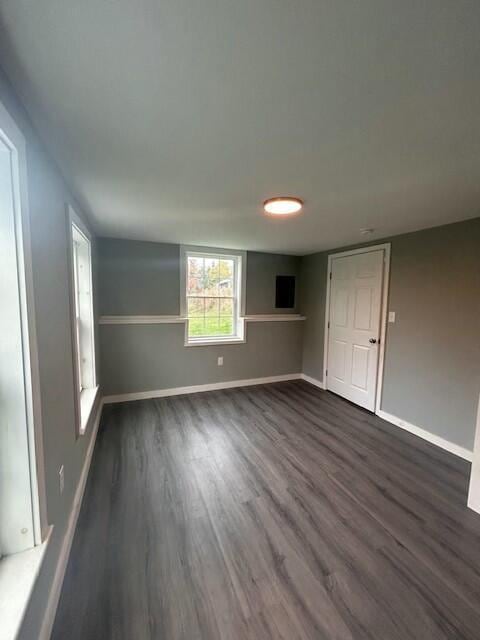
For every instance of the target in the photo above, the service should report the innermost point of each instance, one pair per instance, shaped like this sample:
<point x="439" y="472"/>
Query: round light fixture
<point x="283" y="206"/>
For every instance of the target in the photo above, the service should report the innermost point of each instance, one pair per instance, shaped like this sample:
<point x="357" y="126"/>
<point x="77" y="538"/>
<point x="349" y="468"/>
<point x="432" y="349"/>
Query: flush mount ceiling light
<point x="283" y="206"/>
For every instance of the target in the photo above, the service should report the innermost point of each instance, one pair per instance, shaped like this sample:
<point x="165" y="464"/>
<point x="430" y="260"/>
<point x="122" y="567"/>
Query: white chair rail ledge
<point x="171" y="319"/>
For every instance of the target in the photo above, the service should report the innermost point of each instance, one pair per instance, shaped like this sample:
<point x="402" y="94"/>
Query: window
<point x="23" y="517"/>
<point x="83" y="322"/>
<point x="213" y="295"/>
<point x="23" y="522"/>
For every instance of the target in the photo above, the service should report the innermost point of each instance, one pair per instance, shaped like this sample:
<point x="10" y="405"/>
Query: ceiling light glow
<point x="283" y="206"/>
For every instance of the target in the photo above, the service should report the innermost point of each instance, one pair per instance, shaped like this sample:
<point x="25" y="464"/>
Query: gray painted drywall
<point x="432" y="360"/>
<point x="138" y="278"/>
<point x="432" y="365"/>
<point x="313" y="287"/>
<point x="262" y="269"/>
<point x="148" y="357"/>
<point x="48" y="196"/>
<point x="142" y="278"/>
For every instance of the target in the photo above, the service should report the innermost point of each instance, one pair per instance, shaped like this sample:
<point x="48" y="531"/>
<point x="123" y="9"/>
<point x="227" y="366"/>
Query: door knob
<point x="373" y="341"/>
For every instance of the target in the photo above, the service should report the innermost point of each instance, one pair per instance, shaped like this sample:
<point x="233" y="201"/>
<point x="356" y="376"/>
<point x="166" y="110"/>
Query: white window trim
<point x="241" y="257"/>
<point x="19" y="570"/>
<point x="84" y="399"/>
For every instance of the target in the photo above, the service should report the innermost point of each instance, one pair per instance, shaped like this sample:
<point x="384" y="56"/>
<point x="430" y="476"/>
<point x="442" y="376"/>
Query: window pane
<point x="211" y="277"/>
<point x="225" y="284"/>
<point x="84" y="330"/>
<point x="226" y="269"/>
<point x="225" y="288"/>
<point x="194" y="286"/>
<point x="226" y="307"/>
<point x="196" y="327"/>
<point x="195" y="267"/>
<point x="212" y="307"/>
<point x="226" y="326"/>
<point x="195" y="275"/>
<point x="211" y="326"/>
<point x="212" y="266"/>
<point x="210" y="290"/>
<point x="196" y="307"/>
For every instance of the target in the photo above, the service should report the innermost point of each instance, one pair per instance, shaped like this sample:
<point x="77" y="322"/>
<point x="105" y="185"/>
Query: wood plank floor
<point x="271" y="512"/>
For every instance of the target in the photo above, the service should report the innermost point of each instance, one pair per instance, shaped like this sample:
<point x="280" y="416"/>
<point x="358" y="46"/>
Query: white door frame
<point x="474" y="486"/>
<point x="386" y="247"/>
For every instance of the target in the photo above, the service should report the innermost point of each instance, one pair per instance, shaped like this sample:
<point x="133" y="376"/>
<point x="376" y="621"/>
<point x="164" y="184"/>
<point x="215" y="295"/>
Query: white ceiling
<point x="175" y="119"/>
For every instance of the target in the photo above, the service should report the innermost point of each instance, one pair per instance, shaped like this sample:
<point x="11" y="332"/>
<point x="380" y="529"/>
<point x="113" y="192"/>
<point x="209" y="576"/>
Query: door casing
<point x="386" y="248"/>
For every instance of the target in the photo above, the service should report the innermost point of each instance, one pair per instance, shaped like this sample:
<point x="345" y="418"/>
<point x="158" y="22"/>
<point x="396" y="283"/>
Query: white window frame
<point x="85" y="380"/>
<point x="240" y="274"/>
<point x="24" y="530"/>
<point x="23" y="515"/>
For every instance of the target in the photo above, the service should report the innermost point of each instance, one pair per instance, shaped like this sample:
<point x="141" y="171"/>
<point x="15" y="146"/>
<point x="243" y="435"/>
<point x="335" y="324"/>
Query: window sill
<point x="87" y="402"/>
<point x="207" y="342"/>
<point x="18" y="574"/>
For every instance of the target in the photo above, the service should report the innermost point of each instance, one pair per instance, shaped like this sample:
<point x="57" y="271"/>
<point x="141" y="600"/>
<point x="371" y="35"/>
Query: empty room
<point x="240" y="320"/>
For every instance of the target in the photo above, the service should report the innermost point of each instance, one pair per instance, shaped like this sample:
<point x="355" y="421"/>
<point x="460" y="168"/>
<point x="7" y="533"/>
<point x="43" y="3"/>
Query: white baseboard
<point x="197" y="388"/>
<point x="54" y="596"/>
<point x="314" y="381"/>
<point x="427" y="435"/>
<point x="456" y="449"/>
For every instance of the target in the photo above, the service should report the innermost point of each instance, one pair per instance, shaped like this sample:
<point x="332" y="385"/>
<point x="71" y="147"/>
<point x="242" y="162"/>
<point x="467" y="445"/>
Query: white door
<point x="354" y="326"/>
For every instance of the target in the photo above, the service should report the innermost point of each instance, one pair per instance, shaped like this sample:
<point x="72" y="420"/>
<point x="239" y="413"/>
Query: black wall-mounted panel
<point x="285" y="292"/>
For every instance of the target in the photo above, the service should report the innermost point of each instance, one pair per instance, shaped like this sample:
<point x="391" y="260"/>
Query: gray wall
<point x="138" y="278"/>
<point x="48" y="196"/>
<point x="262" y="269"/>
<point x="142" y="278"/>
<point x="148" y="357"/>
<point x="432" y="361"/>
<point x="313" y="288"/>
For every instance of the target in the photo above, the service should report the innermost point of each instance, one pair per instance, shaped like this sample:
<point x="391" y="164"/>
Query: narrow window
<point x="213" y="296"/>
<point x="82" y="319"/>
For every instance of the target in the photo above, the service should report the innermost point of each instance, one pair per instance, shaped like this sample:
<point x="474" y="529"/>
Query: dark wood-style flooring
<point x="273" y="512"/>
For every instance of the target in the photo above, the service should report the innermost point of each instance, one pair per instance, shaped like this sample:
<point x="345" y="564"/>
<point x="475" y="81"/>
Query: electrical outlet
<point x="220" y="361"/>
<point x="391" y="316"/>
<point x="61" y="479"/>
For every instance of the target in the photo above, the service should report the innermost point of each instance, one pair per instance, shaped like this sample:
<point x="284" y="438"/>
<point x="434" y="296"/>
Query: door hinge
<point x="328" y="326"/>
<point x="326" y="372"/>
<point x="330" y="275"/>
